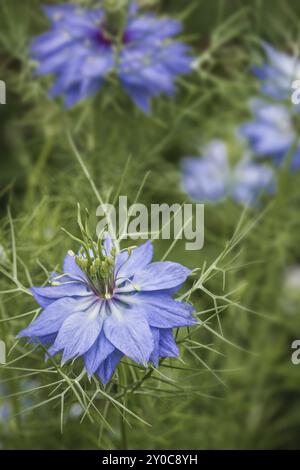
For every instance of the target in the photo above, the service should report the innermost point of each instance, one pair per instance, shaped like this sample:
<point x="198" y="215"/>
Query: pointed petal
<point x="72" y="269"/>
<point x="161" y="310"/>
<point x="100" y="350"/>
<point x="167" y="345"/>
<point x="139" y="258"/>
<point x="64" y="289"/>
<point x="108" y="366"/>
<point x="128" y="331"/>
<point x="45" y="340"/>
<point x="154" y="358"/>
<point x="78" y="333"/>
<point x="52" y="318"/>
<point x="161" y="275"/>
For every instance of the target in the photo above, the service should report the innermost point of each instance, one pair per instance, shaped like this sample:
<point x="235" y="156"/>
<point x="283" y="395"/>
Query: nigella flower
<point x="82" y="48"/>
<point x="211" y="178"/>
<point x="109" y="304"/>
<point x="273" y="133"/>
<point x="278" y="74"/>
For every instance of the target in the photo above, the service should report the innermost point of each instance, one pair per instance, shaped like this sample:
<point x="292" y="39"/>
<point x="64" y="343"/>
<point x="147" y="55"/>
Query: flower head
<point x="83" y="46"/>
<point x="211" y="178"/>
<point x="278" y="73"/>
<point x="272" y="133"/>
<point x="109" y="304"/>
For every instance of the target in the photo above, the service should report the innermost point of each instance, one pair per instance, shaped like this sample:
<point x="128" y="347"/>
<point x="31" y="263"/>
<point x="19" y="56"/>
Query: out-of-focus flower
<point x="82" y="48"/>
<point x="210" y="178"/>
<point x="75" y="411"/>
<point x="4" y="412"/>
<point x="272" y="132"/>
<point x="109" y="304"/>
<point x="278" y="74"/>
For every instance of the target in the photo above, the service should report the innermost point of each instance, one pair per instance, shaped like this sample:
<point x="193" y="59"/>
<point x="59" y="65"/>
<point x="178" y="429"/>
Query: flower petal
<point x="108" y="366"/>
<point x="128" y="331"/>
<point x="139" y="258"/>
<point x="52" y="318"/>
<point x="100" y="350"/>
<point x="72" y="269"/>
<point x="160" y="275"/>
<point x="154" y="358"/>
<point x="78" y="333"/>
<point x="167" y="345"/>
<point x="161" y="310"/>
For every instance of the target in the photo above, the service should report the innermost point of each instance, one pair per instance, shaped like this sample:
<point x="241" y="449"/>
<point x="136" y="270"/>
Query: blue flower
<point x="211" y="179"/>
<point x="109" y="304"/>
<point x="272" y="132"/>
<point x="278" y="73"/>
<point x="81" y="50"/>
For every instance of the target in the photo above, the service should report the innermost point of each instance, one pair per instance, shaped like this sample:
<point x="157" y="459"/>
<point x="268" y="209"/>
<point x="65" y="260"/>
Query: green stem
<point x="123" y="429"/>
<point x="124" y="442"/>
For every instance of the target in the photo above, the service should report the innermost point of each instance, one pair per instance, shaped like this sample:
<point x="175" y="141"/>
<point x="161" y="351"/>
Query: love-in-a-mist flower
<point x="273" y="133"/>
<point x="84" y="46"/>
<point x="211" y="178"/>
<point x="278" y="73"/>
<point x="108" y="304"/>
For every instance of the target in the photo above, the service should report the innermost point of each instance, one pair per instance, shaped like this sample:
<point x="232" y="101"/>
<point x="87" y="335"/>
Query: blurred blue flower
<point x="278" y="73"/>
<point x="81" y="50"/>
<point x="211" y="179"/>
<point x="4" y="412"/>
<point x="272" y="132"/>
<point x="113" y="305"/>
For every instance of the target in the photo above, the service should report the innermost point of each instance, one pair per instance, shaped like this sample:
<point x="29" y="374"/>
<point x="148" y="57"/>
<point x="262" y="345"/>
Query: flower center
<point x="105" y="38"/>
<point x="99" y="269"/>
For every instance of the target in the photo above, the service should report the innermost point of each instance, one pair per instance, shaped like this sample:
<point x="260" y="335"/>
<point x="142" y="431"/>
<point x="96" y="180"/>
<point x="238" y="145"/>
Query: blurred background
<point x="238" y="388"/>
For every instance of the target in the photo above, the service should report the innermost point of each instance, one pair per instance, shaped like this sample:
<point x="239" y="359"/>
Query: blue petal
<point x="251" y="179"/>
<point x="160" y="275"/>
<point x="108" y="366"/>
<point x="154" y="358"/>
<point x="78" y="333"/>
<point x="50" y="42"/>
<point x="100" y="350"/>
<point x="45" y="340"/>
<point x="206" y="179"/>
<point x="167" y="345"/>
<point x="140" y="96"/>
<point x="162" y="311"/>
<point x="64" y="289"/>
<point x="128" y="331"/>
<point x="56" y="12"/>
<point x="139" y="258"/>
<point x="52" y="318"/>
<point x="72" y="269"/>
<point x="108" y="244"/>
<point x="95" y="66"/>
<point x="295" y="165"/>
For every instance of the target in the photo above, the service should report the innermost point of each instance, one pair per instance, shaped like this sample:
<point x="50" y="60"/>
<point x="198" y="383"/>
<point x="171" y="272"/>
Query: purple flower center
<point x="103" y="38"/>
<point x="107" y="39"/>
